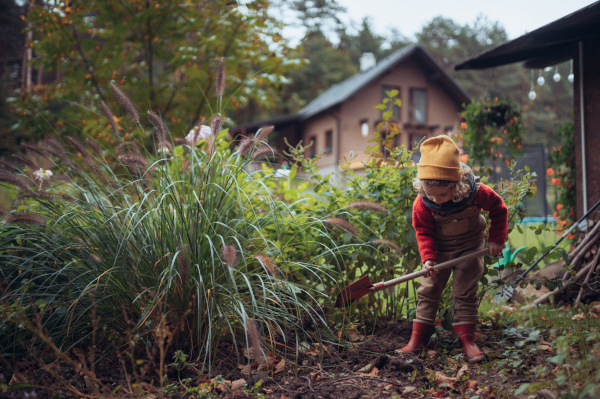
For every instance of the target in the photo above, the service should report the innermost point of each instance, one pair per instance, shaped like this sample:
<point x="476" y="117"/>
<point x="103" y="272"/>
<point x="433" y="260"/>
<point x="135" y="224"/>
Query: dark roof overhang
<point x="549" y="45"/>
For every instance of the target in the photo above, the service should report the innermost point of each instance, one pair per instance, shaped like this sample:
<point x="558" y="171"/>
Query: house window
<point x="418" y="105"/>
<point x="384" y="95"/>
<point x="328" y="141"/>
<point x="312" y="151"/>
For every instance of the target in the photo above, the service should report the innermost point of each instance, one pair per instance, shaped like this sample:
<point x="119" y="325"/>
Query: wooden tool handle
<point x="441" y="266"/>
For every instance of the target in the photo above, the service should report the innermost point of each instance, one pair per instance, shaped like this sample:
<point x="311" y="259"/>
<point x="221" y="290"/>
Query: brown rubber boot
<point x="421" y="333"/>
<point x="466" y="333"/>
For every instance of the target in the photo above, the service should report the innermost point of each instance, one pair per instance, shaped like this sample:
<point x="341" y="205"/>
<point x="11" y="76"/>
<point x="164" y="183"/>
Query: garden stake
<point x="363" y="286"/>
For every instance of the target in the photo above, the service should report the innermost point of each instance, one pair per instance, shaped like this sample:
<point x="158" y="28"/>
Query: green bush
<point x="392" y="249"/>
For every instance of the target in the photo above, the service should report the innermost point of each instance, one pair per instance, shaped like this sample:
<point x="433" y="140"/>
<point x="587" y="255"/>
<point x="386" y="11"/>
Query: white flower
<point x="197" y="134"/>
<point x="42" y="174"/>
<point x="205" y="132"/>
<point x="164" y="150"/>
<point x="282" y="173"/>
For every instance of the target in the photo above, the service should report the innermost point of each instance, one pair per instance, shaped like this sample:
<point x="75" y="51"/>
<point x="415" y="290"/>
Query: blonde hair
<point x="461" y="189"/>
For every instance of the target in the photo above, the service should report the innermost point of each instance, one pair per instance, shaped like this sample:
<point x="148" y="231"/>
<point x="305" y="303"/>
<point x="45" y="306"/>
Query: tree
<point x="160" y="53"/>
<point x="11" y="53"/>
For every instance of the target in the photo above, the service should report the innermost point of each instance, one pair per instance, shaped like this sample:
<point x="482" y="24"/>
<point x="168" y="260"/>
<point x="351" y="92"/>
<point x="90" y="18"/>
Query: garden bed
<point x="367" y="369"/>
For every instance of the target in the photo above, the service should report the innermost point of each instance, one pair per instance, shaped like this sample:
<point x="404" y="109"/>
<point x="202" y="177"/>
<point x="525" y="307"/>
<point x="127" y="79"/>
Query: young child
<point x="448" y="222"/>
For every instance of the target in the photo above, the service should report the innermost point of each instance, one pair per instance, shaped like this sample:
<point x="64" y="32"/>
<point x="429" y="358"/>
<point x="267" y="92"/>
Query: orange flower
<point x="519" y="146"/>
<point x="555" y="181"/>
<point x="549" y="171"/>
<point x="464" y="158"/>
<point x="496" y="99"/>
<point x="570" y="236"/>
<point x="555" y="214"/>
<point x="463" y="125"/>
<point x="506" y="161"/>
<point x="559" y="207"/>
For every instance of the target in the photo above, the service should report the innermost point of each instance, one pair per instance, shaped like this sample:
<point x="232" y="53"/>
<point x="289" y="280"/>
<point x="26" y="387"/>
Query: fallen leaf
<point x="441" y="378"/>
<point x="238" y="384"/>
<point x="244" y="368"/>
<point x="266" y="364"/>
<point x="280" y="366"/>
<point x="546" y="348"/>
<point x="462" y="371"/>
<point x="366" y="369"/>
<point x="356" y="337"/>
<point x="408" y="389"/>
<point x="470" y="385"/>
<point x="578" y="317"/>
<point x="374" y="372"/>
<point x="432" y="353"/>
<point x="268" y="391"/>
<point x="317" y="376"/>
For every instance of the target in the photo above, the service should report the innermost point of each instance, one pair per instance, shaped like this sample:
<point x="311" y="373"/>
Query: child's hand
<point x="495" y="248"/>
<point x="429" y="266"/>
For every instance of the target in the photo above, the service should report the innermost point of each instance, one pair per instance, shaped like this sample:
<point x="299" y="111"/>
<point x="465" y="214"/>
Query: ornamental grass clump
<point x="179" y="243"/>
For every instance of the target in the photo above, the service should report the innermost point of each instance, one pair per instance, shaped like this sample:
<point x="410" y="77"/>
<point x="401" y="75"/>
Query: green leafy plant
<point x="562" y="175"/>
<point x="491" y="130"/>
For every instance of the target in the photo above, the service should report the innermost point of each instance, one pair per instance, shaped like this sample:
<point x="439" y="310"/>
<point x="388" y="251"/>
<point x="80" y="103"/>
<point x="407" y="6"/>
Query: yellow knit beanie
<point x="439" y="160"/>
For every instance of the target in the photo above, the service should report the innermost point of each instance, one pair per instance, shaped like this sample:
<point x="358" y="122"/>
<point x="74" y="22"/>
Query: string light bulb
<point x="571" y="77"/>
<point x="532" y="94"/>
<point x="540" y="79"/>
<point x="556" y="76"/>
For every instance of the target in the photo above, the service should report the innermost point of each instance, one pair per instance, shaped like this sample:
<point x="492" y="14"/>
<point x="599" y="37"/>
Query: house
<point x="573" y="37"/>
<point x="343" y="118"/>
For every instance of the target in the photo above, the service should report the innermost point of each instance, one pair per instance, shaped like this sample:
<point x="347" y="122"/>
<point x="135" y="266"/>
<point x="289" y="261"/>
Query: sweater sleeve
<point x="425" y="229"/>
<point x="497" y="211"/>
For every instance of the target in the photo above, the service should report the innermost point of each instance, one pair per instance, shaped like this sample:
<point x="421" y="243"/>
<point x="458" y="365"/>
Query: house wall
<point x="591" y="99"/>
<point x="442" y="114"/>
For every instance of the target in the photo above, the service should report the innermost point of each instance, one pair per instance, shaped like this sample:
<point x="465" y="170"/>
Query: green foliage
<point x="161" y="53"/>
<point x="179" y="245"/>
<point x="562" y="174"/>
<point x="387" y="180"/>
<point x="489" y="127"/>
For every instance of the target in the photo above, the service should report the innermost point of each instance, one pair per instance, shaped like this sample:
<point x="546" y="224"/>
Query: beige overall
<point x="456" y="234"/>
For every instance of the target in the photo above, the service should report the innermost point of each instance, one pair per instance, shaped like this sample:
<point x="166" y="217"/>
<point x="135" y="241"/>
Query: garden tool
<point x="507" y="292"/>
<point x="364" y="286"/>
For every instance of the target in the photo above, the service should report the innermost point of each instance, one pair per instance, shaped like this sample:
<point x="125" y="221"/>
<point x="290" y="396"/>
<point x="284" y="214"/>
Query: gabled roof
<point x="340" y="92"/>
<point x="549" y="45"/>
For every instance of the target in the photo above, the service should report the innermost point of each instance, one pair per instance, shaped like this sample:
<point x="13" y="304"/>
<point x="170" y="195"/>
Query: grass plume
<point x="111" y="118"/>
<point x="125" y="101"/>
<point x="343" y="224"/>
<point x="246" y="144"/>
<point x="388" y="243"/>
<point x="26" y="160"/>
<point x="264" y="132"/>
<point x="368" y="205"/>
<point x="229" y="255"/>
<point x="262" y="152"/>
<point x="268" y="264"/>
<point x="27" y="218"/>
<point x="220" y="83"/>
<point x="254" y="339"/>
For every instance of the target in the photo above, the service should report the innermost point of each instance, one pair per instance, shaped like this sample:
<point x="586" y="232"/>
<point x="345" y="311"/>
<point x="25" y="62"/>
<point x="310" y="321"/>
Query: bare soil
<point x="367" y="369"/>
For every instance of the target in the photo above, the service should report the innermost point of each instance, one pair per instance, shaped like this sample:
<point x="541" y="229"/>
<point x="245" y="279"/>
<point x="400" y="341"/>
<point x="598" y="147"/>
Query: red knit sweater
<point x="486" y="199"/>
